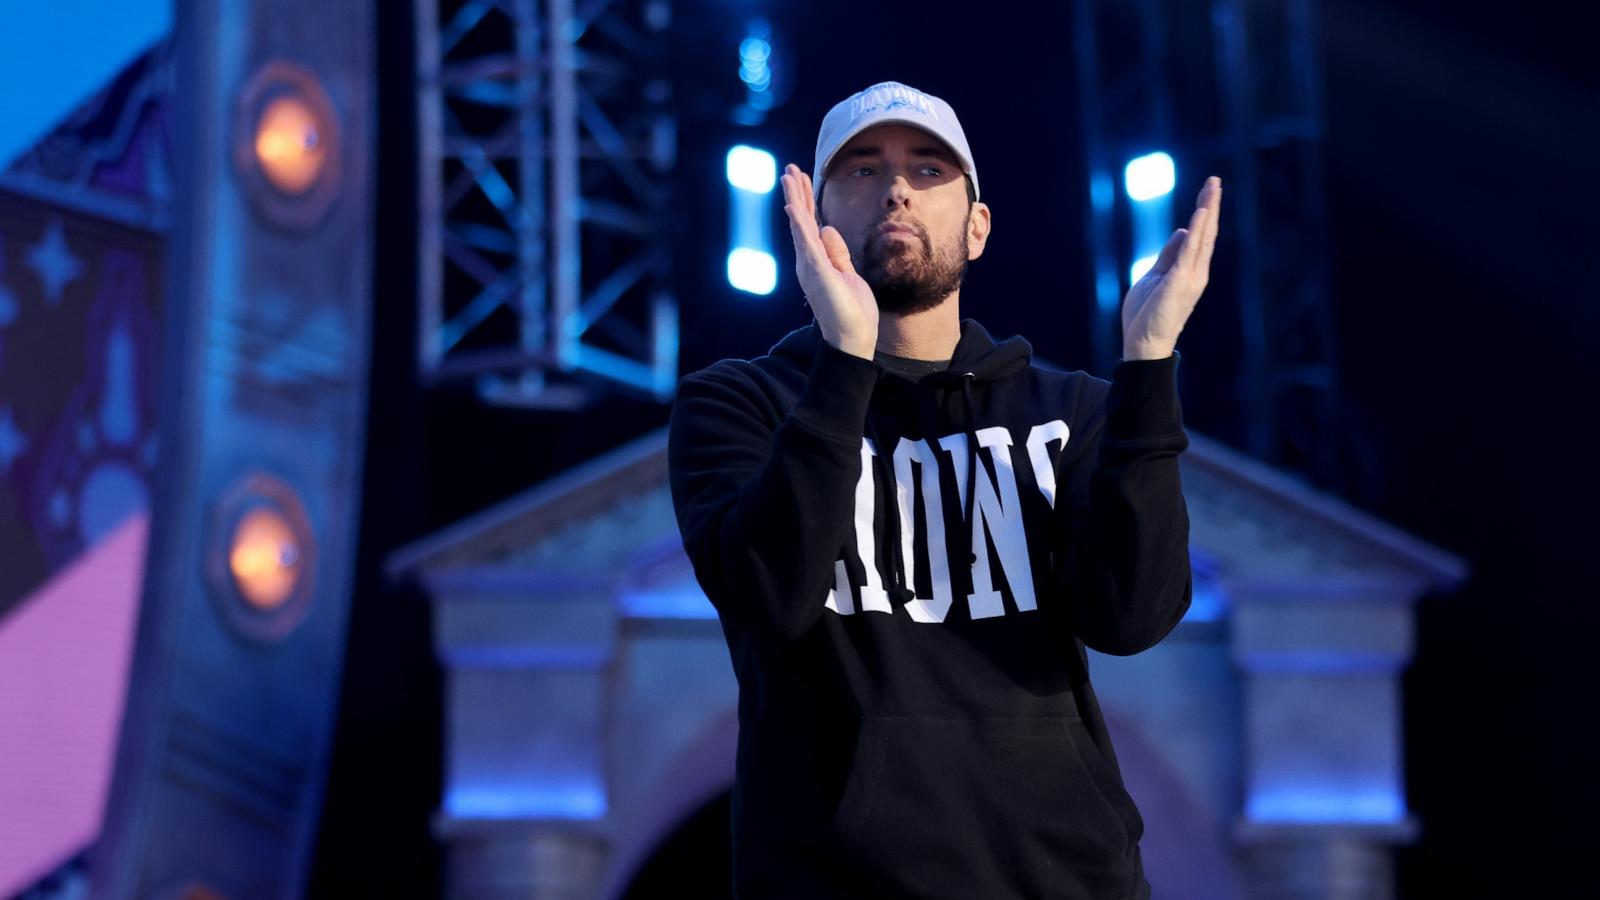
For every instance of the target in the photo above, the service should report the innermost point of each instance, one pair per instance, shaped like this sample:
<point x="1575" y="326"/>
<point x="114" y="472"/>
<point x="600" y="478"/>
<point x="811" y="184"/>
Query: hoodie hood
<point x="977" y="359"/>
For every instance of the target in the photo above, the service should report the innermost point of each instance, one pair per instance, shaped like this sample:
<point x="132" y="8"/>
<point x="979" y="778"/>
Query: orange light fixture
<point x="289" y="145"/>
<point x="264" y="558"/>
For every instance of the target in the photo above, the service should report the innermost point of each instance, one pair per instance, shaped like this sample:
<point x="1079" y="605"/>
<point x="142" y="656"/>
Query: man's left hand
<point x="1156" y="308"/>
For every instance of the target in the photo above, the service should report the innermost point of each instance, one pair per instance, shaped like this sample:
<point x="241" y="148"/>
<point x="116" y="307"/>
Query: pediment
<point x="1251" y="520"/>
<point x="614" y="516"/>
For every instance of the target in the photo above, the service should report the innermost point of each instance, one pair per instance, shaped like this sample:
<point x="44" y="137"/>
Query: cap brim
<point x="887" y="118"/>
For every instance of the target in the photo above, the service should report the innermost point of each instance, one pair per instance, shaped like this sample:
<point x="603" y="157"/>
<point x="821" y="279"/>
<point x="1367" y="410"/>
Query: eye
<point x="860" y="169"/>
<point x="933" y="171"/>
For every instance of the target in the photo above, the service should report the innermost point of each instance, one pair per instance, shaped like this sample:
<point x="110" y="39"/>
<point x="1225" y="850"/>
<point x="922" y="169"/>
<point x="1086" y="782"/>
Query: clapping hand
<point x="1158" y="306"/>
<point x="841" y="300"/>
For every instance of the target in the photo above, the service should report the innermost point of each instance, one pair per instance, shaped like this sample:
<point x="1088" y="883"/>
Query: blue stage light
<point x="754" y="51"/>
<point x="758" y="73"/>
<point x="753" y="70"/>
<point x="753" y="271"/>
<point x="752" y="174"/>
<point x="1327" y="804"/>
<point x="1148" y="181"/>
<point x="1150" y="176"/>
<point x="1100" y="190"/>
<point x="752" y="170"/>
<point x="537" y="798"/>
<point x="757" y="78"/>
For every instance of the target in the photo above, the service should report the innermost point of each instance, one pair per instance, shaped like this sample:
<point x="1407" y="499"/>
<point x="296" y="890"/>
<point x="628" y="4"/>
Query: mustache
<point x="875" y="236"/>
<point x="912" y="224"/>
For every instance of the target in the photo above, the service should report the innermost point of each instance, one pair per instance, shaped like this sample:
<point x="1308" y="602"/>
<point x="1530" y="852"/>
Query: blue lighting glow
<point x="1150" y="176"/>
<point x="1100" y="190"/>
<point x="678" y="602"/>
<point x="752" y="170"/>
<point x="1207" y="604"/>
<point x="1107" y="293"/>
<point x="486" y="655"/>
<point x="579" y="801"/>
<point x="755" y="55"/>
<point x="1149" y="181"/>
<point x="755" y="78"/>
<point x="752" y="174"/>
<point x="754" y="51"/>
<point x="752" y="271"/>
<point x="1311" y="806"/>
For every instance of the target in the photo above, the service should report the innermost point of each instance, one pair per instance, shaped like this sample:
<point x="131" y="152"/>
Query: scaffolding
<point x="1269" y="63"/>
<point x="1264" y="80"/>
<point x="546" y="139"/>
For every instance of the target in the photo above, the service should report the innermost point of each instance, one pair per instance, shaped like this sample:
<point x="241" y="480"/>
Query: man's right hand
<point x="841" y="300"/>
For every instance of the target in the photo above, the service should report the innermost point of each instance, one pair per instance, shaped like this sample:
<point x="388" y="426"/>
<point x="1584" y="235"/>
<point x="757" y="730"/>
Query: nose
<point x="898" y="193"/>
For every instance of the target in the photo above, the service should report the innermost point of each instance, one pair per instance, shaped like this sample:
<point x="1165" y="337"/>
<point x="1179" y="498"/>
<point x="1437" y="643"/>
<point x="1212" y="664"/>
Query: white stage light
<point x="1150" y="176"/>
<point x="752" y="170"/>
<point x="753" y="271"/>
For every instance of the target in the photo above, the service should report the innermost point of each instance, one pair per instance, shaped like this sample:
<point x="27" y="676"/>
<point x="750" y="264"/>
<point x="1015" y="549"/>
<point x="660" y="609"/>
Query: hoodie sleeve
<point x="765" y="509"/>
<point x="1123" y="526"/>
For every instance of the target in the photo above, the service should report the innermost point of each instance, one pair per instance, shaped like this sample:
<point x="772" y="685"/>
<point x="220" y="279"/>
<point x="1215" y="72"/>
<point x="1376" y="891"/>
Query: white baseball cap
<point x="889" y="101"/>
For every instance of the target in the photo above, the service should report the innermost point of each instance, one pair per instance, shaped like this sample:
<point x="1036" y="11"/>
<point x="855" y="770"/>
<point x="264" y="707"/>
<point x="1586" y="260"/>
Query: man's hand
<point x="844" y="306"/>
<point x="1156" y="308"/>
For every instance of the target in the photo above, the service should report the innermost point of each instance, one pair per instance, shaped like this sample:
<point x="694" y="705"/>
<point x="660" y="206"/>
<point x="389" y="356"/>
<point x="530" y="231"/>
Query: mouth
<point x="892" y="229"/>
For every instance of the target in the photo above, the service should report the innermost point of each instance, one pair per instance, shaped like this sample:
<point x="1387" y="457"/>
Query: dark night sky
<point x="1460" y="177"/>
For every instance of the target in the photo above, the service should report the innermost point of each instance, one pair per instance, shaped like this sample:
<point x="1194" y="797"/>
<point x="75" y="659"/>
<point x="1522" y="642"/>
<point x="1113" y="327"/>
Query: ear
<point x="978" y="225"/>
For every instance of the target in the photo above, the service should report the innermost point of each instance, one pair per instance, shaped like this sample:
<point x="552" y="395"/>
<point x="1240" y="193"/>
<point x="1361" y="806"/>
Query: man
<point x="910" y="533"/>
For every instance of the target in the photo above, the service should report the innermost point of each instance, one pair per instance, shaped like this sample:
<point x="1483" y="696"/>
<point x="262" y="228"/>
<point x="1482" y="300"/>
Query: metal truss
<point x="1269" y="63"/>
<point x="1265" y="76"/>
<point x="1125" y="107"/>
<point x="545" y="144"/>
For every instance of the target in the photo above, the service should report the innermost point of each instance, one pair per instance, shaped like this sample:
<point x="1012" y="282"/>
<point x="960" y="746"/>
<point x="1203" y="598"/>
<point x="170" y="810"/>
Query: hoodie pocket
<point x="866" y="762"/>
<point x="1106" y="779"/>
<point x="949" y="806"/>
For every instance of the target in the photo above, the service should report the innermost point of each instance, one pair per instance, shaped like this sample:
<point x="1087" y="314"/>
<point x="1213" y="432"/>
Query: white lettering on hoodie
<point x="935" y="608"/>
<point x="997" y="522"/>
<point x="873" y="596"/>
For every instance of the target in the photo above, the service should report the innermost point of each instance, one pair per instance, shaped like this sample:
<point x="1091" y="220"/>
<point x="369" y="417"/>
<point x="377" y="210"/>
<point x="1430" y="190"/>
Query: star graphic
<point x="54" y="262"/>
<point x="12" y="442"/>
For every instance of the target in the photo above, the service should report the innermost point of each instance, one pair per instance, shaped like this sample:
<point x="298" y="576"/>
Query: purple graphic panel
<point x="79" y="345"/>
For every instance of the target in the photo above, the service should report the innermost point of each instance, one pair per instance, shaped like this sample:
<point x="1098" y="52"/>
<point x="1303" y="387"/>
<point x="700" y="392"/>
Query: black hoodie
<point x="916" y="723"/>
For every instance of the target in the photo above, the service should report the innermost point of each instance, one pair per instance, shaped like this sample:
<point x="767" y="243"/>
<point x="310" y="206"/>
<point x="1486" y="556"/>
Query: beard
<point x="909" y="276"/>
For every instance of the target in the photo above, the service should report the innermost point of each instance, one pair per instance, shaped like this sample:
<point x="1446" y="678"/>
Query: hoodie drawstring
<point x="899" y="593"/>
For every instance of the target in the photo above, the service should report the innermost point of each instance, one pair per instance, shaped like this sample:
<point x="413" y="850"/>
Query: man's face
<point x="899" y="199"/>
